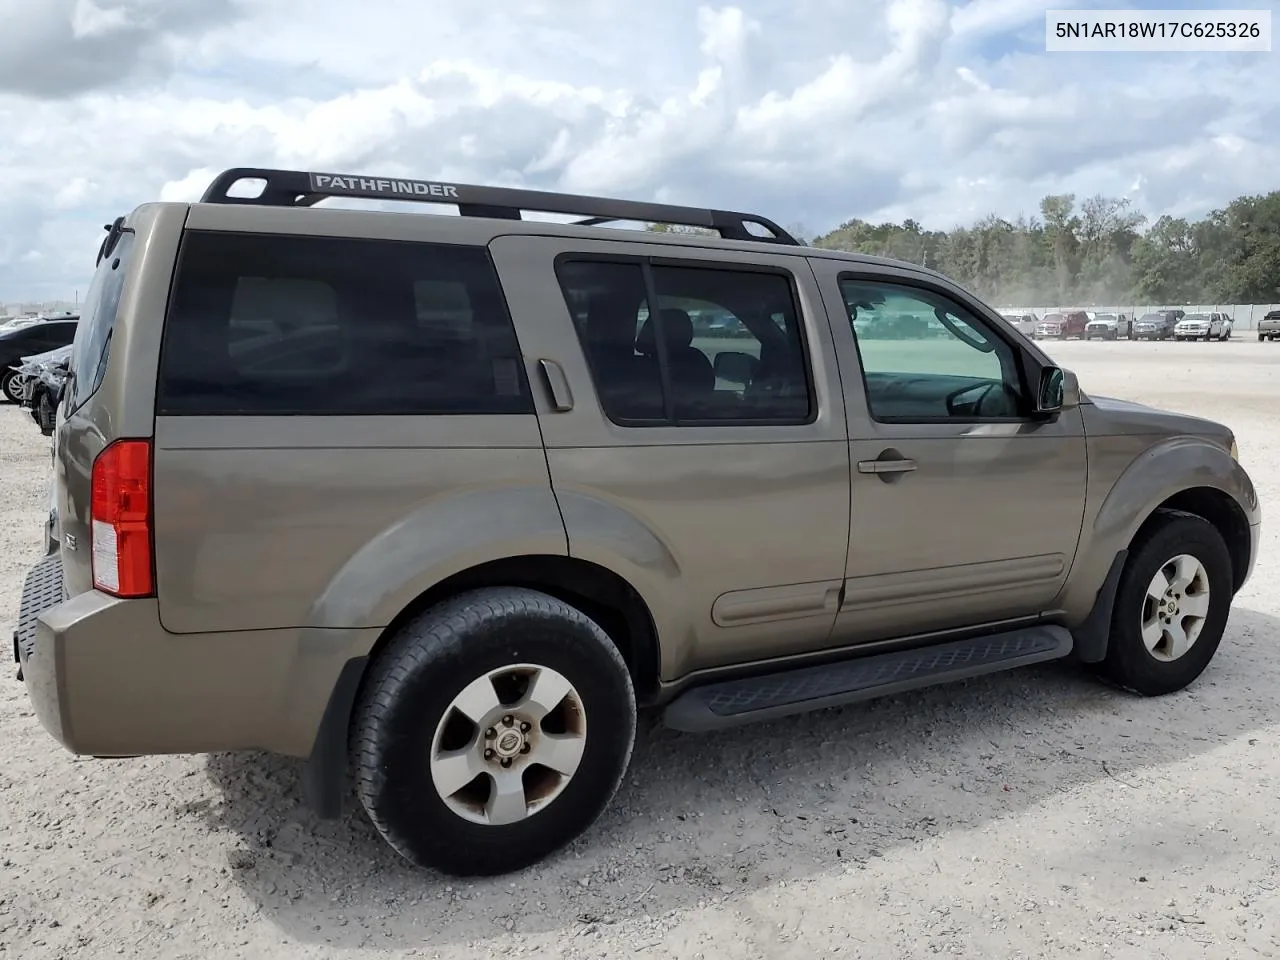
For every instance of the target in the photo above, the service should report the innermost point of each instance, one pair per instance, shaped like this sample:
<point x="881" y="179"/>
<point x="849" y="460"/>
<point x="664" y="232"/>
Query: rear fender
<point x="439" y="539"/>
<point x="608" y="534"/>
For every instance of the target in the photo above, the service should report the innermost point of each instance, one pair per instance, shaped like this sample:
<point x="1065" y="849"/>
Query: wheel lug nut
<point x="490" y="733"/>
<point x="488" y="754"/>
<point x="524" y="728"/>
<point x="507" y="721"/>
<point x="506" y="761"/>
<point x="525" y="748"/>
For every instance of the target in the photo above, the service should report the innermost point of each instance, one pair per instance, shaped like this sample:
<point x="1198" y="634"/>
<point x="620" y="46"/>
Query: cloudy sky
<point x="809" y="111"/>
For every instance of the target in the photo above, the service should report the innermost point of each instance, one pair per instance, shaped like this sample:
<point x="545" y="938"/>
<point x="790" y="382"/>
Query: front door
<point x="698" y="449"/>
<point x="965" y="510"/>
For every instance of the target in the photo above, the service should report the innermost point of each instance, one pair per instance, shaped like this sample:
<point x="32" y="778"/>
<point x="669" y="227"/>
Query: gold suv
<point x="438" y="502"/>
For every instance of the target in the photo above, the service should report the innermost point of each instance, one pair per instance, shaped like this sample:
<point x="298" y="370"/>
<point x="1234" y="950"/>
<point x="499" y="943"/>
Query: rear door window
<point x="92" y="338"/>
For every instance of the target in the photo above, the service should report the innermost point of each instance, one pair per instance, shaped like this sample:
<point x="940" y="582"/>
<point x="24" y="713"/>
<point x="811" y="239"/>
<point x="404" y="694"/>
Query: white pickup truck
<point x="1024" y="323"/>
<point x="1269" y="326"/>
<point x="1203" y="326"/>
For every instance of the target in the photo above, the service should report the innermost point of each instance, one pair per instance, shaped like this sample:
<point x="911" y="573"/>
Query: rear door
<point x="712" y="474"/>
<point x="964" y="510"/>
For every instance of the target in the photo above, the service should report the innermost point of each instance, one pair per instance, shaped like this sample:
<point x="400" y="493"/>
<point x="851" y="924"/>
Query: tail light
<point x="120" y="519"/>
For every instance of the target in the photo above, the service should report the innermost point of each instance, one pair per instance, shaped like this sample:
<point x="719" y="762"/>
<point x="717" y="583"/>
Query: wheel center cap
<point x="509" y="743"/>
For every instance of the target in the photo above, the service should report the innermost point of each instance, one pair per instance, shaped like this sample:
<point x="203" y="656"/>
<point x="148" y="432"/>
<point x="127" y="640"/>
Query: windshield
<point x="1196" y="317"/>
<point x="1151" y="318"/>
<point x="1105" y="318"/>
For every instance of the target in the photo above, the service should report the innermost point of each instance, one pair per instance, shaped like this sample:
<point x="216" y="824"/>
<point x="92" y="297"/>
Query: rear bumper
<point x="106" y="679"/>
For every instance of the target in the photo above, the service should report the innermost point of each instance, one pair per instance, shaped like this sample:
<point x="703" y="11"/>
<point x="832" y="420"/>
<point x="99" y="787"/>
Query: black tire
<point x="1261" y="337"/>
<point x="412" y="684"/>
<point x="1128" y="662"/>
<point x="46" y="416"/>
<point x="7" y="380"/>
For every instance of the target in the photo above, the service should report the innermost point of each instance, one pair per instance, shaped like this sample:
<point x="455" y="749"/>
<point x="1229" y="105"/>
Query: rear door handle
<point x="557" y="385"/>
<point x="886" y="466"/>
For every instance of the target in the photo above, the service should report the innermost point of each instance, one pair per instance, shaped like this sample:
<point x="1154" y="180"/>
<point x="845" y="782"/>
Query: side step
<point x="798" y="690"/>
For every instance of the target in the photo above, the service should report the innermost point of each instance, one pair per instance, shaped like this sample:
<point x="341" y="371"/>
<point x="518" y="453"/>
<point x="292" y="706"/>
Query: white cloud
<point x="809" y="111"/>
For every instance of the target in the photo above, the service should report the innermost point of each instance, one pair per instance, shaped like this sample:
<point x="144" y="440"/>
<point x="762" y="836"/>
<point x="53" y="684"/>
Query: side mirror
<point x="735" y="367"/>
<point x="1058" y="390"/>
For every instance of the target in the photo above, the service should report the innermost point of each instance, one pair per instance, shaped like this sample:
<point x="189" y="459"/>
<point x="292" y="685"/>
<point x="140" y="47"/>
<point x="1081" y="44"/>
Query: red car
<point x="1060" y="326"/>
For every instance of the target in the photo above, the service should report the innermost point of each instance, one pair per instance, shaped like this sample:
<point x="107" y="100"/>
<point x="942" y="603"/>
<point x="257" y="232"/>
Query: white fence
<point x="1244" y="316"/>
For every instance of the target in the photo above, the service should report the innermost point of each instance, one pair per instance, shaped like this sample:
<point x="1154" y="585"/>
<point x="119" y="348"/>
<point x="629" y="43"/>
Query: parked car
<point x="1269" y="326"/>
<point x="42" y="378"/>
<point x="458" y="580"/>
<point x="21" y="341"/>
<point x="1203" y="326"/>
<point x="1024" y="323"/>
<point x="1109" y="326"/>
<point x="1062" y="326"/>
<point x="1155" y="326"/>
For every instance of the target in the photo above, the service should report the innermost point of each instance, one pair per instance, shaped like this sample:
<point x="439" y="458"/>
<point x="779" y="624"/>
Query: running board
<point x="799" y="690"/>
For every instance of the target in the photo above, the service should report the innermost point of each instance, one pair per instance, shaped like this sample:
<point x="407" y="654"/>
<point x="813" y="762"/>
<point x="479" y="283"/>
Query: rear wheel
<point x="492" y="731"/>
<point x="1171" y="606"/>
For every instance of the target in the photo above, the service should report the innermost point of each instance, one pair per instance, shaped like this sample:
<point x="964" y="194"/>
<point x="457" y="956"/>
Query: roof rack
<point x="296" y="188"/>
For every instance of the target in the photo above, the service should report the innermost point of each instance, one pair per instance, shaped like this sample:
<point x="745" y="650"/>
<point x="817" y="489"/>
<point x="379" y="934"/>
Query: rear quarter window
<point x="281" y="325"/>
<point x="91" y="345"/>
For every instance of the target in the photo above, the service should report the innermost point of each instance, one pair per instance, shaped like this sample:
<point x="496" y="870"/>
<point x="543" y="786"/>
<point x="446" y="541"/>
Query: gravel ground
<point x="1033" y="814"/>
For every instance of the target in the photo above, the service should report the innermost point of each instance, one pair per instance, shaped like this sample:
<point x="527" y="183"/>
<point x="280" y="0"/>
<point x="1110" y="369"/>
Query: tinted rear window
<point x="92" y="344"/>
<point x="277" y="325"/>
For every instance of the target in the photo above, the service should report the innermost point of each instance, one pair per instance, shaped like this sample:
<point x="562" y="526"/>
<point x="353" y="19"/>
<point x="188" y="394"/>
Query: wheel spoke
<point x="1178" y="640"/>
<point x="507" y="803"/>
<point x="1185" y="570"/>
<point x="1195" y="605"/>
<point x="1159" y="584"/>
<point x="546" y="692"/>
<point x="477" y="700"/>
<point x="560" y="752"/>
<point x="454" y="770"/>
<point x="1152" y="634"/>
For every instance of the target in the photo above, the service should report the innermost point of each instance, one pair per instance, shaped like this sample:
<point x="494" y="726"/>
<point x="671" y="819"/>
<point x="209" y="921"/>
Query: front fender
<point x="1164" y="469"/>
<point x="442" y="537"/>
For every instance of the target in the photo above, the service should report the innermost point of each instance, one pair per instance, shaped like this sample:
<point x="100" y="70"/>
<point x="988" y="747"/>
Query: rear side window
<point x="279" y="325"/>
<point x="92" y="343"/>
<point x="724" y="346"/>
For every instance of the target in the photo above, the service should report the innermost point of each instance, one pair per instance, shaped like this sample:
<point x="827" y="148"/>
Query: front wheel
<point x="492" y="731"/>
<point x="1171" y="606"/>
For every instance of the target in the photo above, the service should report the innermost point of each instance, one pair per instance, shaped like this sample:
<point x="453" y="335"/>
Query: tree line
<point x="1094" y="251"/>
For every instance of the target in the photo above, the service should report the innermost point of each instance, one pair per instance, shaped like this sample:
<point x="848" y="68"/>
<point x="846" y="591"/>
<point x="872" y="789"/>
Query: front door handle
<point x="886" y="466"/>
